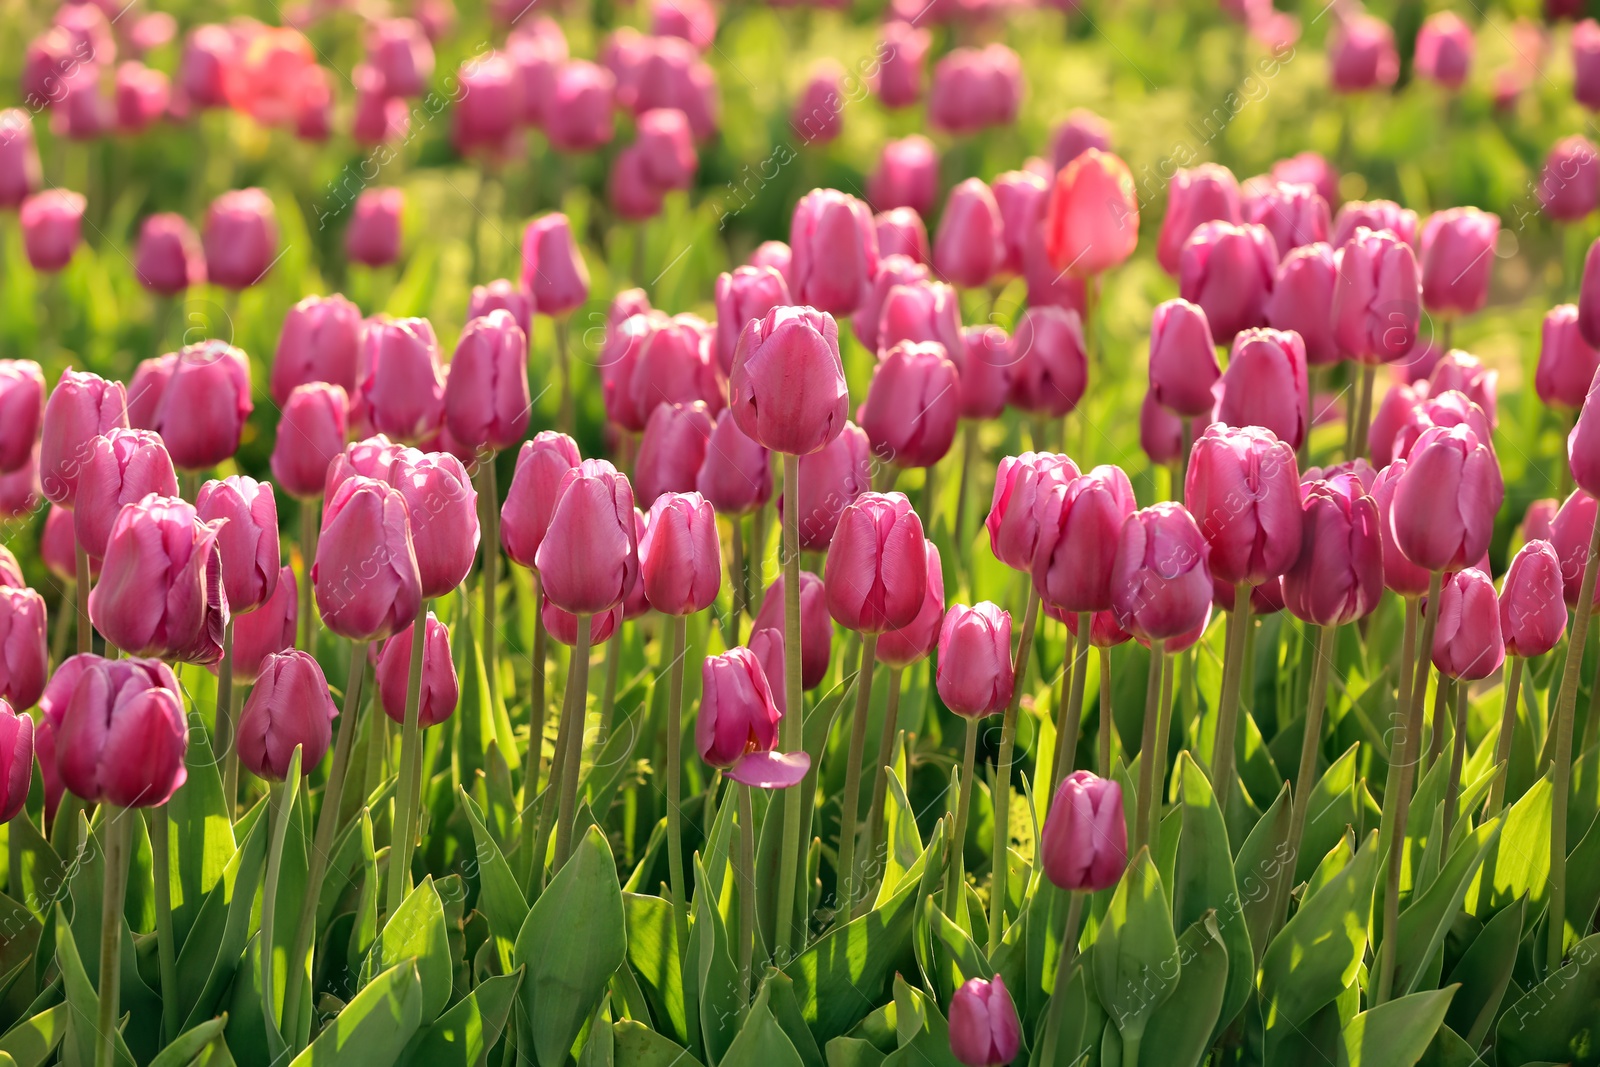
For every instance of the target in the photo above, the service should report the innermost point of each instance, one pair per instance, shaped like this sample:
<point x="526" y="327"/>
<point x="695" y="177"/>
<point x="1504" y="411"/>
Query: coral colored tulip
<point x="736" y="473"/>
<point x="1295" y="215"/>
<point x="817" y="115"/>
<point x="320" y="341"/>
<point x="553" y="269"/>
<point x="486" y="404"/>
<point x="577" y="117"/>
<point x="672" y="450"/>
<point x="665" y="143"/>
<point x="1533" y="615"/>
<point x="901" y="232"/>
<point x="1302" y="300"/>
<point x="20" y="174"/>
<point x="787" y="388"/>
<point x="680" y="557"/>
<point x="205" y="404"/>
<point x="737" y="728"/>
<point x="399" y="50"/>
<point x="160" y="591"/>
<point x="986" y="370"/>
<point x="21" y="412"/>
<point x="81" y="407"/>
<point x="1457" y="254"/>
<point x="1229" y="270"/>
<point x="816" y="631"/>
<point x="1467" y="644"/>
<point x="443" y="508"/>
<point x="1183" y="359"/>
<point x="876" y="572"/>
<point x="1567" y="361"/>
<point x="541" y="466"/>
<point x="1376" y="298"/>
<point x="1361" y="54"/>
<point x="1085" y="835"/>
<point x="502" y="295"/>
<point x="440" y="689"/>
<point x="240" y="238"/>
<point x="490" y="106"/>
<point x="16" y="761"/>
<point x="974" y="89"/>
<point x="916" y="640"/>
<point x="984" y="1029"/>
<point x="268" y="629"/>
<point x="24" y="654"/>
<point x="365" y="574"/>
<point x="289" y="707"/>
<point x="835" y="251"/>
<point x="401" y="387"/>
<point x="1243" y="488"/>
<point x="1080" y="522"/>
<point x="1537" y="519"/>
<point x="1338" y="576"/>
<point x="1051" y="371"/>
<point x="121" y="735"/>
<point x="1092" y="222"/>
<point x="120" y="467"/>
<point x="912" y="405"/>
<point x="1160" y="579"/>
<point x="676" y="365"/>
<point x="373" y="237"/>
<point x="907" y="176"/>
<point x="1207" y="193"/>
<point x="902" y="56"/>
<point x="969" y="247"/>
<point x="1081" y="131"/>
<point x="974" y="675"/>
<point x="745" y="294"/>
<point x="1569" y="186"/>
<point x="1444" y="504"/>
<point x="1375" y="215"/>
<point x="52" y="228"/>
<point x="311" y="432"/>
<point x="829" y="481"/>
<point x="588" y="558"/>
<point x="169" y="259"/>
<point x="1265" y="385"/>
<point x="1444" y="50"/>
<point x="1022" y="485"/>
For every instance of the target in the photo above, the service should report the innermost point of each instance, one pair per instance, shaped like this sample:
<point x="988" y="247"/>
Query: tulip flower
<point x="541" y="466"/>
<point x="1567" y="360"/>
<point x="399" y="50"/>
<point x="974" y="89"/>
<point x="486" y="404"/>
<point x="380" y="119"/>
<point x="563" y="625"/>
<point x="1265" y="385"/>
<point x="160" y="591"/>
<point x="311" y="433"/>
<point x="1444" y="50"/>
<point x="578" y="115"/>
<point x="1207" y="193"/>
<point x="1085" y="837"/>
<point x="915" y="311"/>
<point x="816" y="117"/>
<point x="1444" y="503"/>
<point x="489" y="107"/>
<point x="120" y="467"/>
<point x="365" y="575"/>
<point x="588" y="557"/>
<point x="835" y="251"/>
<point x="443" y="510"/>
<point x="81" y="407"/>
<point x="1457" y="254"/>
<point x="672" y="450"/>
<point x="969" y="247"/>
<point x="876" y="569"/>
<point x="1451" y="408"/>
<point x="774" y="254"/>
<point x="1160" y="578"/>
<point x="907" y="176"/>
<point x="1302" y="300"/>
<point x="1464" y="373"/>
<point x="1295" y="214"/>
<point x="1092" y="223"/>
<point x="1080" y="131"/>
<point x="20" y="174"/>
<point x="268" y="629"/>
<point x="502" y="295"/>
<point x="169" y="259"/>
<point x="1051" y="371"/>
<point x="787" y="388"/>
<point x="912" y="405"/>
<point x="1375" y="215"/>
<point x="553" y="269"/>
<point x="440" y="689"/>
<point x="916" y="640"/>
<point x="24" y="655"/>
<point x="1400" y="574"/>
<point x="1243" y="489"/>
<point x="664" y="142"/>
<point x="902" y="55"/>
<point x="1586" y="63"/>
<point x="985" y="375"/>
<point x="319" y="343"/>
<point x="373" y="237"/>
<point x="828" y="481"/>
<point x="1183" y="359"/>
<point x="21" y="412"/>
<point x="737" y="727"/>
<point x="1361" y="53"/>
<point x="1533" y="616"/>
<point x="240" y="238"/>
<point x="1338" y="576"/>
<point x="248" y="539"/>
<point x="619" y="362"/>
<point x="1229" y="270"/>
<point x="736" y="474"/>
<point x="816" y="631"/>
<point x="289" y="707"/>
<point x="680" y="557"/>
<point x="974" y="675"/>
<point x="1467" y="644"/>
<point x="1020" y="198"/>
<point x="16" y="761"/>
<point x="52" y="228"/>
<point x="1080" y="522"/>
<point x="1536" y="521"/>
<point x="204" y="405"/>
<point x="901" y="232"/>
<point x="401" y="388"/>
<point x="984" y="1029"/>
<point x="1569" y="186"/>
<point x="121" y="737"/>
<point x="675" y="365"/>
<point x="747" y="293"/>
<point x="11" y="569"/>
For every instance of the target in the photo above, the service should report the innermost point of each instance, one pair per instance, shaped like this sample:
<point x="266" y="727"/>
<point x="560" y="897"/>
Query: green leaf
<point x="902" y="841"/>
<point x="1135" y="961"/>
<point x="417" y="931"/>
<point x="1204" y="883"/>
<point x="82" y="1035"/>
<point x="955" y="958"/>
<point x="653" y="957"/>
<point x="463" y="1036"/>
<point x="1331" y="808"/>
<point x="575" y="936"/>
<point x="191" y="1043"/>
<point x="1554" y="1022"/>
<point x="364" y="925"/>
<point x="1262" y="860"/>
<point x="761" y="1042"/>
<point x="1396" y="1033"/>
<point x="1484" y="973"/>
<point x="32" y="1040"/>
<point x="202" y="834"/>
<point x="853" y="1052"/>
<point x="1318" y="952"/>
<point x="1520" y="863"/>
<point x="636" y="1045"/>
<point x="374" y="1027"/>
<point x="1181" y="1029"/>
<point x="786" y="1009"/>
<point x="499" y="897"/>
<point x="1425" y="922"/>
<point x="717" y="979"/>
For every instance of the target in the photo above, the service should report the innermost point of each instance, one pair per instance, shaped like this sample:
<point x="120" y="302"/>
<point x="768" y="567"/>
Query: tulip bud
<point x="486" y="403"/>
<point x="1051" y="371"/>
<point x="267" y="630"/>
<point x="443" y="508"/>
<point x="1295" y="215"/>
<point x="319" y="343"/>
<point x="82" y="407"/>
<point x="373" y="237"/>
<point x="563" y="625"/>
<point x="1092" y="223"/>
<point x="365" y="575"/>
<point x="19" y="158"/>
<point x="1207" y="193"/>
<point x="1080" y="522"/>
<point x="1183" y="359"/>
<point x="16" y="761"/>
<point x="141" y="97"/>
<point x="121" y="734"/>
<point x="900" y="233"/>
<point x="1020" y="198"/>
<point x="311" y="433"/>
<point x="1569" y="187"/>
<point x="401" y="387"/>
<point x="1444" y="503"/>
<point x="672" y="450"/>
<point x="489" y="106"/>
<point x="541" y="466"/>
<point x="1160" y="578"/>
<point x="1375" y="215"/>
<point x="916" y="311"/>
<point x="985" y="375"/>
<point x="747" y="293"/>
<point x="1361" y="54"/>
<point x="1302" y="300"/>
<point x="1444" y="50"/>
<point x="240" y="238"/>
<point x="52" y="228"/>
<point x="288" y="707"/>
<point x="816" y="118"/>
<point x="1243" y="489"/>
<point x="737" y="727"/>
<point x="974" y="89"/>
<point x="969" y="247"/>
<point x="1081" y="131"/>
<point x="1466" y="640"/>
<point x="121" y="467"/>
<point x="249" y="541"/>
<point x="1022" y="486"/>
<point x="161" y="591"/>
<point x="787" y="387"/>
<point x="907" y="175"/>
<point x="502" y="295"/>
<point x="876" y="572"/>
<point x="1451" y="408"/>
<point x="205" y="404"/>
<point x="736" y="473"/>
<point x="1338" y="576"/>
<point x="24" y="654"/>
<point x="912" y="405"/>
<point x="1586" y="63"/>
<point x="440" y="689"/>
<point x="680" y="557"/>
<point x="1229" y="271"/>
<point x="905" y="645"/>
<point x="1532" y="614"/>
<point x="1567" y="361"/>
<point x="1457" y="254"/>
<point x="588" y="558"/>
<point x="169" y="259"/>
<point x="675" y="365"/>
<point x="1265" y="385"/>
<point x="829" y="481"/>
<point x="552" y="266"/>
<point x="1376" y="297"/>
<point x="835" y="251"/>
<point x="984" y="1030"/>
<point x="1085" y="836"/>
<point x="577" y="117"/>
<point x="21" y="412"/>
<point x="816" y="631"/>
<point x="902" y="56"/>
<point x="974" y="674"/>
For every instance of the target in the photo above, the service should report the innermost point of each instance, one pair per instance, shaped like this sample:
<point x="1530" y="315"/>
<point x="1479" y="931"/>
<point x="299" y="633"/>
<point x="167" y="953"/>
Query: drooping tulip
<point x="1160" y="578"/>
<point x="787" y="389"/>
<point x="268" y="629"/>
<point x="160" y="591"/>
<point x="1457" y="255"/>
<point x="1207" y="193"/>
<point x="1533" y="615"/>
<point x="672" y="450"/>
<point x="737" y="727"/>
<point x="816" y="631"/>
<point x="440" y="688"/>
<point x="1051" y="369"/>
<point x="1467" y="643"/>
<point x="984" y="1029"/>
<point x="1092" y="223"/>
<point x="1444" y="503"/>
<point x="1266" y="385"/>
<point x="835" y="251"/>
<point x="117" y="710"/>
<point x="912" y="405"/>
<point x="1183" y="359"/>
<point x="365" y="574"/>
<point x="1080" y="522"/>
<point x="974" y="675"/>
<point x="486" y="404"/>
<point x="588" y="558"/>
<point x="289" y="706"/>
<point x="876" y="571"/>
<point x="24" y="652"/>
<point x="1085" y="835"/>
<point x="120" y="467"/>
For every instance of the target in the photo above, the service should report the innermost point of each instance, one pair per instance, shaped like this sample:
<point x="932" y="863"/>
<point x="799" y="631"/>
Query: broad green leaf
<point x="1203" y="882"/>
<point x="1337" y="859"/>
<point x="375" y="1026"/>
<point x="417" y="931"/>
<point x="779" y="988"/>
<point x="1554" y="1022"/>
<point x="202" y="834"/>
<point x="463" y="1036"/>
<point x="902" y="842"/>
<point x="1520" y="863"/>
<point x="499" y="897"/>
<point x="761" y="1042"/>
<point x="853" y="1052"/>
<point x="1181" y="1029"/>
<point x="364" y="926"/>
<point x="1396" y="1033"/>
<point x="31" y="1041"/>
<point x="955" y="958"/>
<point x="82" y="1036"/>
<point x="1262" y="860"/>
<point x="1331" y="809"/>
<point x="1135" y="961"/>
<point x="922" y="1032"/>
<point x="634" y="1044"/>
<point x="717" y="978"/>
<point x="191" y="1043"/>
<point x="653" y="958"/>
<point x="1425" y="922"/>
<point x="575" y="936"/>
<point x="1484" y="973"/>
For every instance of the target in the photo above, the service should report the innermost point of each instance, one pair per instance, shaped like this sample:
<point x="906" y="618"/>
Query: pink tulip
<point x="1183" y="359"/>
<point x="1160" y="579"/>
<point x="16" y="761"/>
<point x="1207" y="193"/>
<point x="21" y="412"/>
<point x="1444" y="50"/>
<point x="1399" y="573"/>
<point x="1533" y="615"/>
<point x="399" y="50"/>
<point x="693" y="20"/>
<point x="1265" y="385"/>
<point x="986" y="371"/>
<point x="912" y="405"/>
<point x="1081" y="131"/>
<point x="1311" y="169"/>
<point x="1229" y="270"/>
<point x="121" y="734"/>
<point x="578" y="116"/>
<point x="1569" y="186"/>
<point x="1465" y="373"/>
<point x="379" y="118"/>
<point x="907" y="175"/>
<point x="876" y="571"/>
<point x="745" y="294"/>
<point x="553" y="269"/>
<point x="1243" y="489"/>
<point x="52" y="228"/>
<point x="1020" y="197"/>
<point x="120" y="467"/>
<point x="680" y="557"/>
<point x="1361" y="54"/>
<point x="1377" y="297"/>
<point x="1442" y="514"/>
<point x="24" y="653"/>
<point x="537" y="49"/>
<point x="311" y="432"/>
<point x="1092" y="223"/>
<point x="903" y="54"/>
<point x="440" y="689"/>
<point x="916" y="640"/>
<point x="835" y="251"/>
<point x="20" y="174"/>
<point x="541" y="466"/>
<point x="1374" y="215"/>
<point x="737" y="727"/>
<point x="1302" y="300"/>
<point x="829" y="481"/>
<point x="365" y="574"/>
<point x="984" y="1029"/>
<point x="900" y="233"/>
<point x="400" y="389"/>
<point x="140" y="98"/>
<point x="676" y="365"/>
<point x="160" y="593"/>
<point x="588" y="558"/>
<point x="974" y="675"/>
<point x="665" y="143"/>
<point x="267" y="630"/>
<point x="240" y="238"/>
<point x="1536" y="521"/>
<point x="1586" y="63"/>
<point x="1051" y="371"/>
<point x="787" y="388"/>
<point x="736" y="473"/>
<point x="817" y="117"/>
<point x="289" y="707"/>
<point x="169" y="259"/>
<point x="969" y="248"/>
<point x="1567" y="361"/>
<point x="1466" y="640"/>
<point x="373" y="238"/>
<point x="1570" y="530"/>
<point x="502" y="295"/>
<point x="619" y="361"/>
<point x="816" y="631"/>
<point x="1080" y="522"/>
<point x="974" y="89"/>
<point x="205" y="405"/>
<point x="774" y="254"/>
<point x="1394" y="414"/>
<point x="490" y="105"/>
<point x="1022" y="486"/>
<point x="443" y="509"/>
<point x="669" y="73"/>
<point x="1338" y="576"/>
<point x="1452" y="408"/>
<point x="82" y="407"/>
<point x="1085" y="836"/>
<point x="486" y="403"/>
<point x="319" y="343"/>
<point x="916" y="311"/>
<point x="672" y="450"/>
<point x="1457" y="254"/>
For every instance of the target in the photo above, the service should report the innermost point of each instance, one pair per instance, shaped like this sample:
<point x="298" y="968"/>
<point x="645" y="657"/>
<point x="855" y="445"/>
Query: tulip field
<point x="711" y="533"/>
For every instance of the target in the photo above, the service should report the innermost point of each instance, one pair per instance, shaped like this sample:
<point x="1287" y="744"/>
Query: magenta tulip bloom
<point x="747" y="293"/>
<point x="1451" y="408"/>
<point x="160" y="593"/>
<point x="289" y="707"/>
<point x="24" y="654"/>
<point x="52" y="228"/>
<point x="787" y="388"/>
<point x="984" y="1029"/>
<point x="399" y="50"/>
<point x="675" y="365"/>
<point x="817" y="115"/>
<point x="969" y="247"/>
<point x="578" y="115"/>
<point x="20" y="174"/>
<point x="486" y="404"/>
<point x="1586" y="63"/>
<point x="1266" y="385"/>
<point x="204" y="405"/>
<point x="1080" y="131"/>
<point x="619" y="362"/>
<point x="876" y="572"/>
<point x="1533" y="614"/>
<point x="21" y="412"/>
<point x="1399" y="573"/>
<point x="248" y="540"/>
<point x="401" y="387"/>
<point x="120" y="467"/>
<point x="365" y="574"/>
<point x="1376" y="298"/>
<point x="311" y="432"/>
<point x="502" y="295"/>
<point x="835" y="251"/>
<point x="680" y="557"/>
<point x="1295" y="215"/>
<point x="1567" y="360"/>
<point x="169" y="259"/>
<point x="1361" y="53"/>
<point x="986" y="369"/>
<point x="1302" y="300"/>
<point x="1375" y="215"/>
<point x="1338" y="576"/>
<point x="907" y="176"/>
<point x="974" y="674"/>
<point x="1160" y="578"/>
<point x="541" y="466"/>
<point x="1020" y="196"/>
<point x="1207" y="193"/>
<point x="1536" y="521"/>
<point x="901" y="232"/>
<point x="736" y="474"/>
<point x="553" y="269"/>
<point x="816" y="631"/>
<point x="829" y="481"/>
<point x="1022" y="486"/>
<point x="489" y="107"/>
<point x="1570" y="530"/>
<point x="1457" y="254"/>
<point x="916" y="311"/>
<point x="16" y="761"/>
<point x="916" y="640"/>
<point x="319" y="343"/>
<point x="563" y="625"/>
<point x="974" y="89"/>
<point x="122" y="735"/>
<point x="268" y="629"/>
<point x="1051" y="371"/>
<point x="1569" y="186"/>
<point x="1092" y="222"/>
<point x="240" y="238"/>
<point x="1080" y="523"/>
<point x="443" y="510"/>
<point x="1444" y="503"/>
<point x="373" y="237"/>
<point x="902" y="56"/>
<point x="672" y="450"/>
<point x="440" y="688"/>
<point x="1085" y="836"/>
<point x="912" y="405"/>
<point x="664" y="142"/>
<point x="537" y="48"/>
<point x="1462" y="372"/>
<point x="1243" y="488"/>
<point x="737" y="727"/>
<point x="588" y="558"/>
<point x="1467" y="644"/>
<point x="1444" y="50"/>
<point x="1229" y="270"/>
<point x="774" y="254"/>
<point x="1183" y="359"/>
<point x="81" y="407"/>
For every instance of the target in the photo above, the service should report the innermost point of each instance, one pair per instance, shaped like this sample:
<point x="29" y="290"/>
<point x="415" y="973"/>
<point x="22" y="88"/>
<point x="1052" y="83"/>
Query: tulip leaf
<point x="653" y="958"/>
<point x="1396" y="1033"/>
<point x="955" y="957"/>
<point x="463" y="1036"/>
<point x="1181" y="1029"/>
<point x="82" y="1035"/>
<point x="499" y="897"/>
<point x="1331" y="809"/>
<point x="853" y="1052"/>
<point x="716" y="976"/>
<point x="1554" y="1021"/>
<point x="1135" y="961"/>
<point x="375" y="1026"/>
<point x="575" y="936"/>
<point x="43" y="873"/>
<point x="364" y="925"/>
<point x="779" y="988"/>
<point x="417" y="931"/>
<point x="1262" y="860"/>
<point x="1519" y="863"/>
<point x="1425" y="922"/>
<point x="221" y="929"/>
<point x="202" y="834"/>
<point x="761" y="1042"/>
<point x="922" y="1034"/>
<point x="635" y="1045"/>
<point x="31" y="1041"/>
<point x="902" y="841"/>
<point x="1484" y="973"/>
<point x="190" y="1043"/>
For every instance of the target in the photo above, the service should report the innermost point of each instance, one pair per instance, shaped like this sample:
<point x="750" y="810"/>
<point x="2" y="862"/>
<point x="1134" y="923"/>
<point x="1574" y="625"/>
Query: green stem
<point x="790" y="733"/>
<point x="1147" y="745"/>
<point x="850" y="802"/>
<point x="1000" y="867"/>
<point x="227" y="727"/>
<point x="1309" y="744"/>
<point x="308" y="555"/>
<point x="1452" y="787"/>
<point x="405" y="817"/>
<point x="1108" y="725"/>
<point x="747" y="892"/>
<point x="1502" y="747"/>
<point x="1363" y="412"/>
<point x="677" y="625"/>
<point x="540" y="844"/>
<point x="1441" y="714"/>
<point x="578" y="686"/>
<point x="1222" y="753"/>
<point x="1056" y="1006"/>
<point x="969" y="451"/>
<point x="736" y="577"/>
<point x="81" y="587"/>
<point x="954" y="878"/>
<point x="564" y="369"/>
<point x="540" y="713"/>
<point x="166" y="943"/>
<point x="1391" y="785"/>
<point x="118" y="827"/>
<point x="608" y="695"/>
<point x="489" y="502"/>
<point x="278" y="814"/>
<point x="1565" y="704"/>
<point x="880" y="780"/>
<point x="1069" y="721"/>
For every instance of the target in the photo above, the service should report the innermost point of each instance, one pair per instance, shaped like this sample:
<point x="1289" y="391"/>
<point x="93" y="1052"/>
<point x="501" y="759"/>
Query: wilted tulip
<point x="52" y="228"/>
<point x="1207" y="193"/>
<point x="120" y="467"/>
<point x="737" y="727"/>
<point x="787" y="388"/>
<point x="1085" y="836"/>
<point x="1183" y="359"/>
<point x="440" y="689"/>
<point x="1457" y="254"/>
<point x="1533" y="615"/>
<point x="1444" y="503"/>
<point x="1567" y="361"/>
<point x="1265" y="385"/>
<point x="974" y="674"/>
<point x="912" y="405"/>
<point x="1160" y="579"/>
<point x="835" y="251"/>
<point x="984" y="1030"/>
<point x="1229" y="270"/>
<point x="160" y="591"/>
<point x="24" y="652"/>
<point x="365" y="574"/>
<point x="672" y="450"/>
<point x="1092" y="223"/>
<point x="486" y="404"/>
<point x="907" y="175"/>
<point x="121" y="734"/>
<point x="816" y="631"/>
<point x="1051" y="369"/>
<point x="240" y="238"/>
<point x="268" y="629"/>
<point x="1080" y="522"/>
<point x="1467" y="644"/>
<point x="289" y="707"/>
<point x="169" y="259"/>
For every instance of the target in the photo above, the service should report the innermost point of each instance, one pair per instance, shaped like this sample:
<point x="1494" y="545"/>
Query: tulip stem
<point x="790" y="733"/>
<point x="1056" y="1006"/>
<point x="1452" y="786"/>
<point x="564" y="369"/>
<point x="577" y="710"/>
<point x="540" y="842"/>
<point x="1147" y="746"/>
<point x="677" y="626"/>
<point x="969" y="451"/>
<point x="166" y="947"/>
<point x="1108" y="725"/>
<point x="608" y="694"/>
<point x="747" y="891"/>
<point x="954" y="877"/>
<point x="1397" y="792"/>
<point x="227" y="723"/>
<point x="880" y="781"/>
<point x="118" y="826"/>
<point x="1363" y="412"/>
<point x="405" y="815"/>
<point x="1309" y="744"/>
<point x="850" y="803"/>
<point x="489" y="503"/>
<point x="1000" y="867"/>
<point x="540" y="713"/>
<point x="1069" y="721"/>
<point x="736" y="578"/>
<point x="81" y="588"/>
<point x="1228" y="707"/>
<point x="278" y="806"/>
<point x="1441" y="715"/>
<point x="322" y="844"/>
<point x="1502" y="747"/>
<point x="1565" y="704"/>
<point x="758" y="561"/>
<point x="308" y="555"/>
